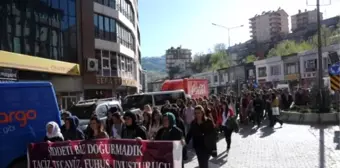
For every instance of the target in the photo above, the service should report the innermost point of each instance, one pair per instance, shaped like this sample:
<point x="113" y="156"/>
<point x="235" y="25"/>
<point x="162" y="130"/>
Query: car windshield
<point x="136" y="101"/>
<point x="82" y="111"/>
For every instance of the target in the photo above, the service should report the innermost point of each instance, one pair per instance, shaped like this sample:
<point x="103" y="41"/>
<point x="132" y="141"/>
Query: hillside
<point x="155" y="67"/>
<point x="156" y="64"/>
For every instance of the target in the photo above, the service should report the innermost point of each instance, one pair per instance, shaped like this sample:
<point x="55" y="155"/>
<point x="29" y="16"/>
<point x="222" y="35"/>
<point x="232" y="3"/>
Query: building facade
<point x="87" y="49"/>
<point x="269" y="72"/>
<point x="291" y="65"/>
<point x="302" y="19"/>
<point x="155" y="86"/>
<point x="269" y="25"/>
<point x="178" y="58"/>
<point x="309" y="64"/>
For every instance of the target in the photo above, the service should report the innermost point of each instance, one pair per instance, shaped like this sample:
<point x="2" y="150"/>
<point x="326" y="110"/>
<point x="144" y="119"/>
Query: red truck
<point x="196" y="88"/>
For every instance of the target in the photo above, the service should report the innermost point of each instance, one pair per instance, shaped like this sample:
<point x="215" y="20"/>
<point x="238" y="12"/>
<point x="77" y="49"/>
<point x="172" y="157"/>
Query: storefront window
<point x="47" y="30"/>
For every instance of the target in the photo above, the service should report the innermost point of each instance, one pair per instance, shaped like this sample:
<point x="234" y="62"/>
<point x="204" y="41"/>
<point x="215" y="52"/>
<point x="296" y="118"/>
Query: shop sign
<point x="10" y="74"/>
<point x="129" y="82"/>
<point x="292" y="77"/>
<point x="103" y="80"/>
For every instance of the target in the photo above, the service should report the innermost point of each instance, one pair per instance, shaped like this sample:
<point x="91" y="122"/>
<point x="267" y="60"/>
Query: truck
<point x="26" y="108"/>
<point x="195" y="88"/>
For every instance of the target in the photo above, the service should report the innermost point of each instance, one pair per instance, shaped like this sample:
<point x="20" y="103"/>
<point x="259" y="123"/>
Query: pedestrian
<point x="169" y="131"/>
<point x="275" y="110"/>
<point x="53" y="133"/>
<point x="71" y="131"/>
<point x="258" y="108"/>
<point x="117" y="126"/>
<point x="226" y="125"/>
<point x="98" y="130"/>
<point x="188" y="115"/>
<point x="132" y="129"/>
<point x="203" y="134"/>
<point x="156" y="123"/>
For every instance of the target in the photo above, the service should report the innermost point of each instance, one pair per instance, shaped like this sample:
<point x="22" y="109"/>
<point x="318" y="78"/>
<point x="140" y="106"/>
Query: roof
<point x="26" y="84"/>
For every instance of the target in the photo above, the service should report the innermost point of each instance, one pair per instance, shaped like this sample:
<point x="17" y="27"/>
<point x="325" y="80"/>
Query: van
<point x="26" y="108"/>
<point x="154" y="99"/>
<point x="86" y="108"/>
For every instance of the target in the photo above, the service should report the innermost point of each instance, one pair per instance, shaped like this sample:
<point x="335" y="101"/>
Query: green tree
<point x="199" y="63"/>
<point x="250" y="58"/>
<point x="219" y="59"/>
<point x="326" y="39"/>
<point x="288" y="47"/>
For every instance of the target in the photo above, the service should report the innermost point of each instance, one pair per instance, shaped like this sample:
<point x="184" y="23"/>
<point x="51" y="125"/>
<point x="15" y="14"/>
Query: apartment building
<point x="86" y="48"/>
<point x="301" y="20"/>
<point x="268" y="26"/>
<point x="178" y="58"/>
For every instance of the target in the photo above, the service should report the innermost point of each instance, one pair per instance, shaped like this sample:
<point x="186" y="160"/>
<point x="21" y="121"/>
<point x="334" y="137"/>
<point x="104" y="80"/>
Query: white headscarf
<point x="55" y="131"/>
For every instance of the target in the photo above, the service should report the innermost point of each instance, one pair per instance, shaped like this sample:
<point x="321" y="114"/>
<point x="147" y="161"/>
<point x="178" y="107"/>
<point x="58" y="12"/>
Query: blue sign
<point x="255" y="85"/>
<point x="334" y="69"/>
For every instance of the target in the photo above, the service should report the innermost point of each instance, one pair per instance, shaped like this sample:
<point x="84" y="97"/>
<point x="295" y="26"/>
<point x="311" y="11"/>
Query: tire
<point x="22" y="163"/>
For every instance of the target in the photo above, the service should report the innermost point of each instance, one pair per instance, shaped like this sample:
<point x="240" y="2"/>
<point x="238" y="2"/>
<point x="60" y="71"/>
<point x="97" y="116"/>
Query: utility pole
<point x="320" y="60"/>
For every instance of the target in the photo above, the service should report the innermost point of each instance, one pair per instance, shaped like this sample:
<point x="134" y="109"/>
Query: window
<point x="98" y="56"/>
<point x="291" y="68"/>
<point x="172" y="97"/>
<point x="215" y="78"/>
<point x="101" y="26"/>
<point x="107" y="28"/>
<point x="310" y="65"/>
<point x="262" y="72"/>
<point x="275" y="70"/>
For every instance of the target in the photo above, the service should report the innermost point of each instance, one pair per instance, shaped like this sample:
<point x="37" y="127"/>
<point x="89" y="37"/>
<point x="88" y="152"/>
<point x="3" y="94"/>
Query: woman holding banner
<point x="53" y="133"/>
<point x="132" y="128"/>
<point x="170" y="132"/>
<point x="203" y="134"/>
<point x="98" y="131"/>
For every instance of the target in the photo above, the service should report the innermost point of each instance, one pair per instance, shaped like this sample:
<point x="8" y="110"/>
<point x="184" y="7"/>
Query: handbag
<point x="232" y="123"/>
<point x="275" y="110"/>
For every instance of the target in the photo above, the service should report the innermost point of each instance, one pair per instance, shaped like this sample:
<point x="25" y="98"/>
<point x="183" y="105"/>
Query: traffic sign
<point x="335" y="82"/>
<point x="334" y="69"/>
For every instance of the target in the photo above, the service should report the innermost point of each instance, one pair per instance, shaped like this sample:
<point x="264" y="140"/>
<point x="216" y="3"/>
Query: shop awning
<point x="31" y="63"/>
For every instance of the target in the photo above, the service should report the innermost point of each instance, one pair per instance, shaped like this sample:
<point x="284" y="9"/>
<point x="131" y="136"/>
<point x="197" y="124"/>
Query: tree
<point x="288" y="47"/>
<point x="219" y="59"/>
<point x="250" y="58"/>
<point x="199" y="63"/>
<point x="326" y="35"/>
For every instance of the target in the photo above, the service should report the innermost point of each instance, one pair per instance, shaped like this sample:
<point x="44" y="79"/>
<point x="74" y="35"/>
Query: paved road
<point x="292" y="146"/>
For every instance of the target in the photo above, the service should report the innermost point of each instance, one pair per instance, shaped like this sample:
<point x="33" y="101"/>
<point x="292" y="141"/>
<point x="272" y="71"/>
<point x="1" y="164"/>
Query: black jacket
<point x="203" y="135"/>
<point x="172" y="134"/>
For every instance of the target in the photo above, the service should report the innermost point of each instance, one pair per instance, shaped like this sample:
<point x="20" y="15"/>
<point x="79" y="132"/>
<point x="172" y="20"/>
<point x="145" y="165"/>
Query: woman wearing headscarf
<point x="132" y="129"/>
<point x="203" y="134"/>
<point x="71" y="131"/>
<point x="169" y="131"/>
<point x="53" y="133"/>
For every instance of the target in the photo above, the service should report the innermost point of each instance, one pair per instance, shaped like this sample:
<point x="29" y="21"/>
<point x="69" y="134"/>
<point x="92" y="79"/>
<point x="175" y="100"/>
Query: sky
<point x="188" y="23"/>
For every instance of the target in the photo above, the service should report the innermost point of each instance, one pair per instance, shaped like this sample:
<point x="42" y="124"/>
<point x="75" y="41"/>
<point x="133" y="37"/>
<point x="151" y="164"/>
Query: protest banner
<point x="106" y="153"/>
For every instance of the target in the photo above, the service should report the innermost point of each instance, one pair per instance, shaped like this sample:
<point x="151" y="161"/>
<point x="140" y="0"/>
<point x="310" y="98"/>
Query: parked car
<point x="86" y="108"/>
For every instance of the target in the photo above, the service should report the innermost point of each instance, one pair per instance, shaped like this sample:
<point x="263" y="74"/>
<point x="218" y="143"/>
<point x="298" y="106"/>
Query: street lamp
<point x="228" y="29"/>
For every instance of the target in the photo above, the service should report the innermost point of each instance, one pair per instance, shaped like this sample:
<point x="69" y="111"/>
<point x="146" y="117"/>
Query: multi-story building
<point x="291" y="67"/>
<point x="143" y="81"/>
<point x="212" y="77"/>
<point x="178" y="58"/>
<point x="269" y="25"/>
<point x="59" y="36"/>
<point x="269" y="72"/>
<point x="309" y="64"/>
<point x="303" y="19"/>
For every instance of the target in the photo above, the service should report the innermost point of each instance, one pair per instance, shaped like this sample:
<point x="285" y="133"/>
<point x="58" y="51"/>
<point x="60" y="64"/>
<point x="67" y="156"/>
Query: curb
<point x="310" y="118"/>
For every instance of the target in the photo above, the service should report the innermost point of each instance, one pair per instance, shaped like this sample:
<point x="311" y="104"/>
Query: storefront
<point x="64" y="76"/>
<point x="104" y="87"/>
